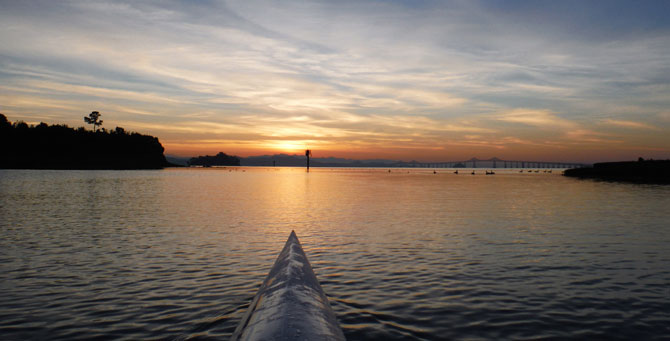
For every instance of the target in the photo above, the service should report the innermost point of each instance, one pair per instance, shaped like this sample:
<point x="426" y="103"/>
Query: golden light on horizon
<point x="288" y="147"/>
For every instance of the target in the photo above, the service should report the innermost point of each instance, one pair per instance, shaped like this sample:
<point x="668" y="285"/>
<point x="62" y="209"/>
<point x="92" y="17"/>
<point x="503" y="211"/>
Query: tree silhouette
<point x="220" y="159"/>
<point x="4" y="123"/>
<point x="45" y="146"/>
<point x="93" y="118"/>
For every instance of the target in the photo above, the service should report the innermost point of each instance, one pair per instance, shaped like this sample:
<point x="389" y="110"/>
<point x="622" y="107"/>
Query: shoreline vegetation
<point x="58" y="146"/>
<point x="640" y="171"/>
<point x="220" y="159"/>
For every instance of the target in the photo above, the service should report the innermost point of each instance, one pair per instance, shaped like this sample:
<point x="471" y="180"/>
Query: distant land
<point x="640" y="171"/>
<point x="44" y="146"/>
<point x="285" y="160"/>
<point x="220" y="159"/>
<point x="300" y="160"/>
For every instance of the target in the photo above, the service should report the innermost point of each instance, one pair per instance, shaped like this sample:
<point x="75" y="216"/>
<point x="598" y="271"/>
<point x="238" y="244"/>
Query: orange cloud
<point x="629" y="124"/>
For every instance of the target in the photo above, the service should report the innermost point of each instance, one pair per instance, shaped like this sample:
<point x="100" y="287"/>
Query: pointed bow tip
<point x="293" y="235"/>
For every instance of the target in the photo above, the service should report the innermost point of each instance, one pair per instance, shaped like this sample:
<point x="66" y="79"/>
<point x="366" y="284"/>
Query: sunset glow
<point x="567" y="81"/>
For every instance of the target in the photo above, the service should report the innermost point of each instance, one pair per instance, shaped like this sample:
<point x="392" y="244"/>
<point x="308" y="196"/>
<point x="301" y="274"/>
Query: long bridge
<point x="496" y="163"/>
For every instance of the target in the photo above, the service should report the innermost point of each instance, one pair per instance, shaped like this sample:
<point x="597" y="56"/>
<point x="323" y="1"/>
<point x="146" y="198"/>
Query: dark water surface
<point x="180" y="253"/>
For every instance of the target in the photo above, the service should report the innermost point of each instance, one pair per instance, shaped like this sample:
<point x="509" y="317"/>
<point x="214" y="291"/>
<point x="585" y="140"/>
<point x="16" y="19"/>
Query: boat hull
<point x="290" y="304"/>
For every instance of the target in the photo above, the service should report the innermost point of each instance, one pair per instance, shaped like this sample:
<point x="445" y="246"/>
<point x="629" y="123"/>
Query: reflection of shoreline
<point x="642" y="171"/>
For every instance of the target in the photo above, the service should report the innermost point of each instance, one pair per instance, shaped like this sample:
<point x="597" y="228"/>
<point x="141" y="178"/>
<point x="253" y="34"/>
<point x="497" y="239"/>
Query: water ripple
<point x="179" y="254"/>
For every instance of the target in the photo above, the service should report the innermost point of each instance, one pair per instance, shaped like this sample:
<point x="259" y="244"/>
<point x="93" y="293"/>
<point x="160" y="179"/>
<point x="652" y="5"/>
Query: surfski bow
<point x="290" y="304"/>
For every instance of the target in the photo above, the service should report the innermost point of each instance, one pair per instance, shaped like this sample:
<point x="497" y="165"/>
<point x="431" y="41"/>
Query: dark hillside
<point x="220" y="159"/>
<point x="60" y="147"/>
<point x="641" y="171"/>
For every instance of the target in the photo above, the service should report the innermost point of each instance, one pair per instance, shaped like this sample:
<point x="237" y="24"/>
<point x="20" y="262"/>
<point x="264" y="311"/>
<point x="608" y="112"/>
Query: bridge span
<point x="496" y="163"/>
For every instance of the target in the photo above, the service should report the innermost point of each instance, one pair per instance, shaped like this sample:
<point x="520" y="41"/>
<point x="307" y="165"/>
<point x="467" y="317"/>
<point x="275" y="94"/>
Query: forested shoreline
<point x="641" y="171"/>
<point x="220" y="159"/>
<point x="58" y="146"/>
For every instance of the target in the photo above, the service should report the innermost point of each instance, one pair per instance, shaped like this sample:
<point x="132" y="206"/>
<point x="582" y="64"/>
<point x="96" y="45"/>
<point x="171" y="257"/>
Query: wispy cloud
<point x="630" y="124"/>
<point x="444" y="76"/>
<point x="536" y="118"/>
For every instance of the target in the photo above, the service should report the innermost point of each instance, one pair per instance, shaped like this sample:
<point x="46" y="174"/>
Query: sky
<point x="573" y="81"/>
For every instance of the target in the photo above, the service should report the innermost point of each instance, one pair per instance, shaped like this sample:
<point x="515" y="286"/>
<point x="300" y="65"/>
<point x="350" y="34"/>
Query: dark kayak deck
<point x="290" y="304"/>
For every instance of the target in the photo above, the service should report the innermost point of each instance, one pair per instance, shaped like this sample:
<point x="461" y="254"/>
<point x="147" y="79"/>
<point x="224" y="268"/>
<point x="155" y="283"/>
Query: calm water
<point x="180" y="253"/>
